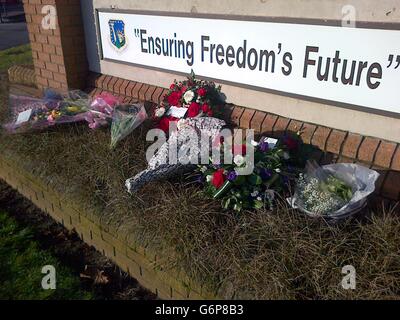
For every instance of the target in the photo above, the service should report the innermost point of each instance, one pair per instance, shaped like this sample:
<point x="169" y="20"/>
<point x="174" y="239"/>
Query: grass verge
<point x="21" y="262"/>
<point x="16" y="55"/>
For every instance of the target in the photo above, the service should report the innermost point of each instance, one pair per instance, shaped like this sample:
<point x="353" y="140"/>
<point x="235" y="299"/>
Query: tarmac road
<point x="13" y="34"/>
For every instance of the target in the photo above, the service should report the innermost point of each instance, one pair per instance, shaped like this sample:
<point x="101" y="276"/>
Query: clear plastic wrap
<point x="101" y="110"/>
<point x="333" y="191"/>
<point x="126" y="118"/>
<point x="29" y="114"/>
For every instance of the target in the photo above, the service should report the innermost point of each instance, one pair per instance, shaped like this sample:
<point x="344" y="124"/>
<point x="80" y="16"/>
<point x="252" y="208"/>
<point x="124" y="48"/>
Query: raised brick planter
<point x="139" y="262"/>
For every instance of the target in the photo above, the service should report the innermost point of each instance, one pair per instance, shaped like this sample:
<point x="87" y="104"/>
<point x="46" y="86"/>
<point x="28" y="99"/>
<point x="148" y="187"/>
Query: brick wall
<point x="59" y="53"/>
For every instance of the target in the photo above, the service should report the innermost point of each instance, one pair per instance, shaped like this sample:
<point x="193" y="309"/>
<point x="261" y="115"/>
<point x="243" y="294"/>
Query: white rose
<point x="160" y="112"/>
<point x="238" y="160"/>
<point x="209" y="178"/>
<point x="188" y="96"/>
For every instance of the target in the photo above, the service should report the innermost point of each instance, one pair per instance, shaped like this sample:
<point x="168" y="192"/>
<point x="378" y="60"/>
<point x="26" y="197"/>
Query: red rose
<point x="172" y="87"/>
<point x="202" y="92"/>
<point x="205" y="108"/>
<point x="163" y="124"/>
<point x="291" y="143"/>
<point x="193" y="110"/>
<point x="210" y="113"/>
<point x="174" y="97"/>
<point x="183" y="89"/>
<point x="218" y="178"/>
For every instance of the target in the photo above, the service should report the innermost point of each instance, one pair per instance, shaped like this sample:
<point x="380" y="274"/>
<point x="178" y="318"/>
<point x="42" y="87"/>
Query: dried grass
<point x="258" y="255"/>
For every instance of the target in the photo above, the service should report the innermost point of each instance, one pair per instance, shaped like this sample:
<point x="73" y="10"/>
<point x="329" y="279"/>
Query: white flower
<point x="254" y="194"/>
<point x="254" y="143"/>
<point x="188" y="96"/>
<point x="203" y="169"/>
<point x="209" y="178"/>
<point x="160" y="112"/>
<point x="277" y="170"/>
<point x="238" y="160"/>
<point x="259" y="198"/>
<point x="286" y="156"/>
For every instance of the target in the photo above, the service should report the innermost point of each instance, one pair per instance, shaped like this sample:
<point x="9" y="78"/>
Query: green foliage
<point x="16" y="55"/>
<point x="21" y="262"/>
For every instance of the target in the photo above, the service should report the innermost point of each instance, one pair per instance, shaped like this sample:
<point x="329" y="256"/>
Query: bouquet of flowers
<point x="126" y="118"/>
<point x="32" y="114"/>
<point x="333" y="191"/>
<point x="188" y="99"/>
<point x="274" y="167"/>
<point x="101" y="110"/>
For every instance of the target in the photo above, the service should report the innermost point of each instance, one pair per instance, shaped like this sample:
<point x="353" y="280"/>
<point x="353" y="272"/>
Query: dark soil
<point x="97" y="273"/>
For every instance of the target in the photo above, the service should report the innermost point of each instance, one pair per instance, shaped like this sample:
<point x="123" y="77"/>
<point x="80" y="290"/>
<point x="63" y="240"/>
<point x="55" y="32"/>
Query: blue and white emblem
<point x="117" y="34"/>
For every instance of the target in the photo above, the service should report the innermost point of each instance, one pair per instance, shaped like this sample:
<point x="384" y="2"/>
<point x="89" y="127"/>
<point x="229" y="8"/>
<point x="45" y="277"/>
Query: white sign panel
<point x="352" y="66"/>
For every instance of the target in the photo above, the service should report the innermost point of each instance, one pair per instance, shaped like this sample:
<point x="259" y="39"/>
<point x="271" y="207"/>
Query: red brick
<point x="136" y="89"/>
<point x="142" y="91"/>
<point x="46" y="74"/>
<point x="52" y="67"/>
<point x="106" y="81"/>
<point x="294" y="126"/>
<point x="57" y="59"/>
<point x="54" y="84"/>
<point x="257" y="120"/>
<point x="236" y="115"/>
<point x="391" y="186"/>
<point x="246" y="118"/>
<point x="320" y="137"/>
<point x="367" y="149"/>
<point x="307" y="132"/>
<point x="281" y="125"/>
<point x="99" y="81"/>
<point x="117" y="85"/>
<point x="157" y="95"/>
<point x="41" y="81"/>
<point x="335" y="141"/>
<point x="122" y="89"/>
<point x="148" y="93"/>
<point x="269" y="123"/>
<point x="384" y="154"/>
<point x="60" y="77"/>
<point x="54" y="40"/>
<point x="41" y="38"/>
<point x="111" y="84"/>
<point x="129" y="88"/>
<point x="396" y="159"/>
<point x="351" y="145"/>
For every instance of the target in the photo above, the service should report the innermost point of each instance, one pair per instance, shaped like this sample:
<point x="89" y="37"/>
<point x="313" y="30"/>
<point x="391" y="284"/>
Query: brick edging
<point x="22" y="75"/>
<point x="137" y="261"/>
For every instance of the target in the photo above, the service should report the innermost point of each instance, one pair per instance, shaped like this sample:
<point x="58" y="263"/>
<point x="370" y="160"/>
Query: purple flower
<point x="265" y="174"/>
<point x="264" y="146"/>
<point x="232" y="176"/>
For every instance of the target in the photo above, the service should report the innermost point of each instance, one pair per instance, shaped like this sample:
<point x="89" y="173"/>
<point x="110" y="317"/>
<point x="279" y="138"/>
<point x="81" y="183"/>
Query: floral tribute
<point x="276" y="165"/>
<point x="189" y="99"/>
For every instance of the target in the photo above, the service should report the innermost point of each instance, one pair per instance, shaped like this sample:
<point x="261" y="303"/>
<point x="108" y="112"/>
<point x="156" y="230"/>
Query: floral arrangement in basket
<point x="188" y="99"/>
<point x="276" y="164"/>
